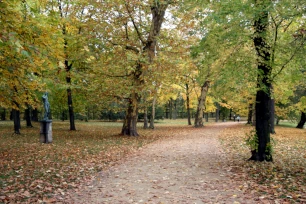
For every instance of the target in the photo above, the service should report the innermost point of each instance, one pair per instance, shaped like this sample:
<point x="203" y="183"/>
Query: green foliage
<point x="252" y="140"/>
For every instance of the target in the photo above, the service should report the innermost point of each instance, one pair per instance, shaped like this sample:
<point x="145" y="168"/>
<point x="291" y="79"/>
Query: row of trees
<point x="242" y="55"/>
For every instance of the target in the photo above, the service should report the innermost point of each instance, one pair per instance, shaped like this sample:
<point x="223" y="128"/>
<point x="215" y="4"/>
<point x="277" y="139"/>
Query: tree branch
<point x="134" y="24"/>
<point x="117" y="76"/>
<point x="127" y="47"/>
<point x="289" y="60"/>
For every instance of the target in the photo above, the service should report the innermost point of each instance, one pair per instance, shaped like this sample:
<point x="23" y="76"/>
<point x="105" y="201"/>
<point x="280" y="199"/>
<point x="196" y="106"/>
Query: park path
<point x="189" y="167"/>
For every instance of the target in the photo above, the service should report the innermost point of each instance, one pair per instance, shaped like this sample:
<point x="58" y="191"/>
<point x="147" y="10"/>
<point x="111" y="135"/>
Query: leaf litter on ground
<point x="44" y="173"/>
<point x="31" y="171"/>
<point x="280" y="181"/>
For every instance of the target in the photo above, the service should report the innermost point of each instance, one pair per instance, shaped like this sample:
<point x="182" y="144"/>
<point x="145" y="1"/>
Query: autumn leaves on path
<point x="189" y="167"/>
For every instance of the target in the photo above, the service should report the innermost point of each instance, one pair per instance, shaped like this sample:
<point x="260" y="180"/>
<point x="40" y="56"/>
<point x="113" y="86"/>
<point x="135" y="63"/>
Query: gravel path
<point x="187" y="168"/>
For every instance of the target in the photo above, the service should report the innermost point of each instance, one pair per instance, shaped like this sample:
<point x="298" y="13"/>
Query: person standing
<point x="238" y="118"/>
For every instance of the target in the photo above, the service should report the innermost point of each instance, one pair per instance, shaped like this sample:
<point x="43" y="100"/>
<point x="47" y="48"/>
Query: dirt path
<point x="187" y="168"/>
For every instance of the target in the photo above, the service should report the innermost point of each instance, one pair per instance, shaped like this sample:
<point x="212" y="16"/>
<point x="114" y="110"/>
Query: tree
<point x="25" y="45"/>
<point x="302" y="121"/>
<point x="266" y="29"/>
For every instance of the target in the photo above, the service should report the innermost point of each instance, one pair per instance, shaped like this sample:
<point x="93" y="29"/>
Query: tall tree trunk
<point x="69" y="96"/>
<point x="174" y="110"/>
<point x="272" y="117"/>
<point x="206" y="117"/>
<point x="145" y="118"/>
<point x="158" y="12"/>
<point x="170" y="108"/>
<point x="70" y="108"/>
<point x="217" y="112"/>
<point x="198" y="122"/>
<point x="254" y="117"/>
<point x="27" y="114"/>
<point x="302" y="121"/>
<point x="35" y="115"/>
<point x="277" y="120"/>
<point x="263" y="96"/>
<point x="167" y="110"/>
<point x="188" y="105"/>
<point x="68" y="68"/>
<point x="16" y="118"/>
<point x="153" y="113"/>
<point x="130" y="122"/>
<point x="3" y="114"/>
<point x="250" y="114"/>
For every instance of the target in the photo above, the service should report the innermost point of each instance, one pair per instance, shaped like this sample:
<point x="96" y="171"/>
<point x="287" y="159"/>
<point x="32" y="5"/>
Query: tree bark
<point x="263" y="96"/>
<point x="206" y="117"/>
<point x="153" y="113"/>
<point x="188" y="105"/>
<point x="145" y="118"/>
<point x="16" y="118"/>
<point x="158" y="12"/>
<point x="130" y="122"/>
<point x="272" y="117"/>
<point x="3" y="114"/>
<point x="69" y="96"/>
<point x="68" y="68"/>
<point x="35" y="115"/>
<point x="217" y="112"/>
<point x="28" y="117"/>
<point x="174" y="110"/>
<point x="250" y="114"/>
<point x="198" y="122"/>
<point x="70" y="108"/>
<point x="170" y="108"/>
<point x="302" y="121"/>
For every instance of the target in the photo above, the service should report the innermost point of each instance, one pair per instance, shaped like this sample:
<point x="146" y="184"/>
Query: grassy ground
<point x="33" y="172"/>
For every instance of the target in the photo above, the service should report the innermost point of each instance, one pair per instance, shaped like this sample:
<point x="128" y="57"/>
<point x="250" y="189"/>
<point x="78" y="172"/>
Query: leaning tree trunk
<point x="302" y="121"/>
<point x="188" y="105"/>
<point x="263" y="96"/>
<point x="198" y="122"/>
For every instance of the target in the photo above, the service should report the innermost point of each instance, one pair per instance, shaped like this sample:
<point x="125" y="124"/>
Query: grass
<point x="286" y="123"/>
